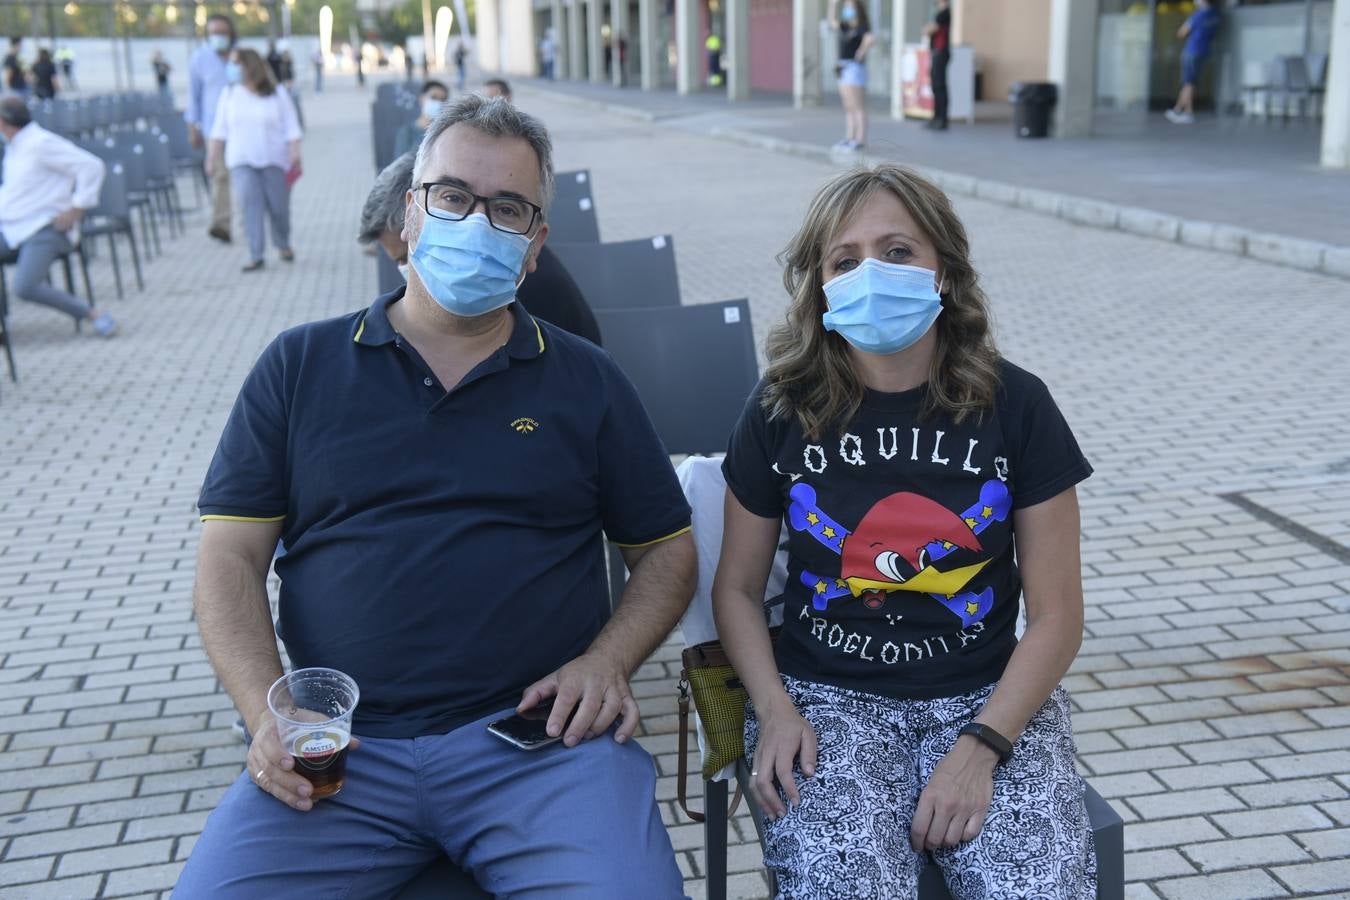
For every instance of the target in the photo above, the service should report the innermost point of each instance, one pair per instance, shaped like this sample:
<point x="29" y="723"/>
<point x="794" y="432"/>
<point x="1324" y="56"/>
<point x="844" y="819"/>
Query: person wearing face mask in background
<point x="256" y="138"/>
<point x="898" y="713"/>
<point x="549" y="293"/>
<point x="206" y="81"/>
<point x="429" y="103"/>
<point x="849" y="18"/>
<point x="440" y="467"/>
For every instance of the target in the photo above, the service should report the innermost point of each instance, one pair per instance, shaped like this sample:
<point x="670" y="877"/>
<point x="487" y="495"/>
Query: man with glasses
<point x="549" y="293"/>
<point x="440" y="468"/>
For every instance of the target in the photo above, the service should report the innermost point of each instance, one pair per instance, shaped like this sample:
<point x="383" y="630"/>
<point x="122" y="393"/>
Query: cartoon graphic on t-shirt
<point x="897" y="547"/>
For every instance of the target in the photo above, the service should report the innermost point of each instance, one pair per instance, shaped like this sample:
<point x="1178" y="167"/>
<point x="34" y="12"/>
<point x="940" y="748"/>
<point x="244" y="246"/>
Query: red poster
<point x="916" y="89"/>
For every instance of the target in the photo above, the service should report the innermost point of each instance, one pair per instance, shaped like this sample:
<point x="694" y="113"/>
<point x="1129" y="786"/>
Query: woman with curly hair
<point x="928" y="488"/>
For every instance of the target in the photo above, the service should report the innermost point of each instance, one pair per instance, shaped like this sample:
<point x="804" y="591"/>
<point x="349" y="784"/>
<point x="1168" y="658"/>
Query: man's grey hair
<point x="387" y="200"/>
<point x="494" y="117"/>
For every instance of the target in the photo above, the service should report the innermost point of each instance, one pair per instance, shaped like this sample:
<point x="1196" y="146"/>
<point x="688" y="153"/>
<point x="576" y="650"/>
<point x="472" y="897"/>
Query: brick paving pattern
<point x="1213" y="689"/>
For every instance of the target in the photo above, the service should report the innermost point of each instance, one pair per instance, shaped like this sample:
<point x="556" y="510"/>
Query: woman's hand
<point x="212" y="165"/>
<point x="956" y="799"/>
<point x="783" y="737"/>
<point x="295" y="155"/>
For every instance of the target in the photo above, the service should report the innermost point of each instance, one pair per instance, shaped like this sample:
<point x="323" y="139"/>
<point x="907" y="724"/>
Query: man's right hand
<point x="195" y="137"/>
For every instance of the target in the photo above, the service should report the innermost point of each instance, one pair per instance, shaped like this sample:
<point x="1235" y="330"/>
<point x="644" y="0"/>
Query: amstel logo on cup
<point x="319" y="748"/>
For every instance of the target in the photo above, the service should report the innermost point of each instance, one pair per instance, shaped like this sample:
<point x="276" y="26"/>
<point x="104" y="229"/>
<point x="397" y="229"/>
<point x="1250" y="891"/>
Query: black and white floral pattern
<point x="848" y="839"/>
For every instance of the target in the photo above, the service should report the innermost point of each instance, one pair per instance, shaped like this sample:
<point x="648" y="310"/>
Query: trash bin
<point x="1032" y="102"/>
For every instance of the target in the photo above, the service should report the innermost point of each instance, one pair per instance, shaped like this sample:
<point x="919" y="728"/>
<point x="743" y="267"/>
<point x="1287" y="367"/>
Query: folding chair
<point x="12" y="257"/>
<point x="693" y="367"/>
<point x="571" y="217"/>
<point x="112" y="217"/>
<point x="624" y="274"/>
<point x="5" y="340"/>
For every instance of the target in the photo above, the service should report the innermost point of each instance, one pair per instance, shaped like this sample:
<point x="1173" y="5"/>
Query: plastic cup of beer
<point x="313" y="709"/>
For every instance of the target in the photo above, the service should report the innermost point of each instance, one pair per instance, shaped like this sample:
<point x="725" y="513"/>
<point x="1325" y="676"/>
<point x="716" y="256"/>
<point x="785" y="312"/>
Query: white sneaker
<point x="1179" y="118"/>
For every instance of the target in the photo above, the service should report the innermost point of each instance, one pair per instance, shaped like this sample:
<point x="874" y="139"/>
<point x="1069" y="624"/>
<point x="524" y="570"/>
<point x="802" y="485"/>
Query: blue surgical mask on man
<point x="218" y="42"/>
<point x="881" y="307"/>
<point x="234" y="73"/>
<point x="431" y="107"/>
<point x="469" y="267"/>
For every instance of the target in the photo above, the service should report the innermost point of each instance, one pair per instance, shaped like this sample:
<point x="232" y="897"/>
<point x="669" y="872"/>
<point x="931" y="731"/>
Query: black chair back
<point x="624" y="274"/>
<point x="112" y="196"/>
<point x="571" y="218"/>
<point x="693" y="366"/>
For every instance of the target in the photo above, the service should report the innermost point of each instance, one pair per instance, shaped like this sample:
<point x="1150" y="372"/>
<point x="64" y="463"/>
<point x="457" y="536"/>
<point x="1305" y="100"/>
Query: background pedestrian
<point x="855" y="39"/>
<point x="256" y="137"/>
<point x="206" y="81"/>
<point x="44" y="75"/>
<point x="939" y="32"/>
<point x="15" y="79"/>
<point x="1198" y="32"/>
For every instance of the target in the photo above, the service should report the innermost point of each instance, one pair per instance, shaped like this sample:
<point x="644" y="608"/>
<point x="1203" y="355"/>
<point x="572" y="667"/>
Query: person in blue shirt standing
<point x="1198" y="32"/>
<point x="206" y="80"/>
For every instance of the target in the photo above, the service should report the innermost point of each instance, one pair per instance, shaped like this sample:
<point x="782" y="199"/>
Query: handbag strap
<point x="683" y="775"/>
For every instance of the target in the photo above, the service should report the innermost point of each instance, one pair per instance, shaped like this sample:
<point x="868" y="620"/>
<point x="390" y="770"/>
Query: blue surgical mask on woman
<point x="431" y="107"/>
<point x="848" y="14"/>
<point x="234" y="73"/>
<point x="469" y="267"/>
<point x="882" y="307"/>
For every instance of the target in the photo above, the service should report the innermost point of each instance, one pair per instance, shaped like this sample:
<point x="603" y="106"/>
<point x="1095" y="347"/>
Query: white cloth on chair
<point x="705" y="489"/>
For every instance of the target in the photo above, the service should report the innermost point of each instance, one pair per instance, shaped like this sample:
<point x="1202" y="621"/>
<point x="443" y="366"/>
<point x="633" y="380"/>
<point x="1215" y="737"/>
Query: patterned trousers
<point x="848" y="839"/>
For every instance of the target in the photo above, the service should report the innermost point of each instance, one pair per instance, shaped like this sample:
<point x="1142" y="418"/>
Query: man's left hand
<point x="597" y="687"/>
<point x="66" y="220"/>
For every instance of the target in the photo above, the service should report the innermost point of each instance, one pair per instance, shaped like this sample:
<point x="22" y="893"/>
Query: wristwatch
<point x="991" y="739"/>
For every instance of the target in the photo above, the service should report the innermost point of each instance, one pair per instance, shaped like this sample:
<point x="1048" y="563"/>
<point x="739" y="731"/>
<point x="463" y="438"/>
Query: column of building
<point x="1336" y="104"/>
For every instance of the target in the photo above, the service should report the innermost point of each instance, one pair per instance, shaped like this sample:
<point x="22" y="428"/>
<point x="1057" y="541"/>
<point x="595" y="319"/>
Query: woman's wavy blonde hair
<point x="810" y="378"/>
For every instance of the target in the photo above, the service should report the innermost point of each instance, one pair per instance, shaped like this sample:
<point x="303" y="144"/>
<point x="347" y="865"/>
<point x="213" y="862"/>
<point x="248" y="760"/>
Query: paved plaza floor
<point x="1212" y="693"/>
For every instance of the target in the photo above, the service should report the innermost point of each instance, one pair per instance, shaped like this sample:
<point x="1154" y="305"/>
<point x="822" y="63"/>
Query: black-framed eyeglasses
<point x="454" y="202"/>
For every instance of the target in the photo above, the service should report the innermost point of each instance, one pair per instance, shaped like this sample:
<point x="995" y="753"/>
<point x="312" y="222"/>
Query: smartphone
<point x="526" y="730"/>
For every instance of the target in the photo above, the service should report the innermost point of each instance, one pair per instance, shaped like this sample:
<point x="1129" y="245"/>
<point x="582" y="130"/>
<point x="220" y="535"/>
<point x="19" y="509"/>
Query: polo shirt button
<point x="427" y="381"/>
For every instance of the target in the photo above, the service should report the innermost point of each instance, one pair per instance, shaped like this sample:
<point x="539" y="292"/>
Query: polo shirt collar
<point x="374" y="329"/>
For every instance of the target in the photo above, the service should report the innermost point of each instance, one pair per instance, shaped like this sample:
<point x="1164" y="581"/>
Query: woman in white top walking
<point x="257" y="136"/>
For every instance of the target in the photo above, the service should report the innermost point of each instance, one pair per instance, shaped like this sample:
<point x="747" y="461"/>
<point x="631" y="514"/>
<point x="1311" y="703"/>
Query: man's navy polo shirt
<point x="442" y="548"/>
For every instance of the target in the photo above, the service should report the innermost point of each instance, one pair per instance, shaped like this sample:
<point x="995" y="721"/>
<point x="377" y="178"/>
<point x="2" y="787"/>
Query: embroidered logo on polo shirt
<point x="525" y="425"/>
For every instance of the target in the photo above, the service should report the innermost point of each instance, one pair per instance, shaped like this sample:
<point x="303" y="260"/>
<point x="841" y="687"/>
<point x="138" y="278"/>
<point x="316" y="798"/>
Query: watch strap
<point x="991" y="739"/>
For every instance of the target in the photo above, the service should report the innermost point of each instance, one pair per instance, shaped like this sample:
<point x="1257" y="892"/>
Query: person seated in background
<point x="433" y="97"/>
<point x="549" y="293"/>
<point x="497" y="87"/>
<point x="48" y="186"/>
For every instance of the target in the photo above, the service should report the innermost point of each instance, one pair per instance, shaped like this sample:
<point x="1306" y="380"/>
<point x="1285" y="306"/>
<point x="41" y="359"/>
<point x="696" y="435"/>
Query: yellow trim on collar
<point x="659" y="540"/>
<point x="243" y="518"/>
<point x="539" y="332"/>
<point x="357" y="339"/>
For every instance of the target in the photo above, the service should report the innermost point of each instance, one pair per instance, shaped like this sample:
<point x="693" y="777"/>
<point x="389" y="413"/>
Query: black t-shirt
<point x="14" y="73"/>
<point x="941" y="39"/>
<point x="161" y="73"/>
<point x="850" y="39"/>
<point x="44" y="74"/>
<point x="550" y="293"/>
<point x="901" y="572"/>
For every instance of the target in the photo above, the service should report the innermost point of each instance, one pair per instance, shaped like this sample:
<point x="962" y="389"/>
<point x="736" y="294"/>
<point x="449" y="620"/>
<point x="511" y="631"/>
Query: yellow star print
<point x="813" y="518"/>
<point x="828" y="531"/>
<point x="972" y="608"/>
<point x="820" y="587"/>
<point x="971" y="522"/>
<point x="987" y="512"/>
